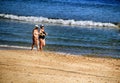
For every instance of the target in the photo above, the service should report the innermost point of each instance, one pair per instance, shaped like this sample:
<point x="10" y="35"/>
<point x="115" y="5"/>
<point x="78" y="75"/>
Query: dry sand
<point x="25" y="66"/>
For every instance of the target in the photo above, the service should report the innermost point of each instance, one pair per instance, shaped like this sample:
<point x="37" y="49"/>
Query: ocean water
<point x="73" y="26"/>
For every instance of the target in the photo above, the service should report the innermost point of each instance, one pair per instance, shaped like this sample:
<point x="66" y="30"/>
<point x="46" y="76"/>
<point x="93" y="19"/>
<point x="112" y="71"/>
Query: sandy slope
<point x="25" y="66"/>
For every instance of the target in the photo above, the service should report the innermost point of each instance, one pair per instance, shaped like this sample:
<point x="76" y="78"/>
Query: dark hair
<point x="41" y="27"/>
<point x="36" y="27"/>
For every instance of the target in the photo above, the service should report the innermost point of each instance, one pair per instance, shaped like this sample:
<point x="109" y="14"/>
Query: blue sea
<point x="80" y="27"/>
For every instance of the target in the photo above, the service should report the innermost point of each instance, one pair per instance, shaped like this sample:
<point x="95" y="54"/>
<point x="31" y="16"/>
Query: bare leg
<point x="43" y="42"/>
<point x="37" y="44"/>
<point x="40" y="44"/>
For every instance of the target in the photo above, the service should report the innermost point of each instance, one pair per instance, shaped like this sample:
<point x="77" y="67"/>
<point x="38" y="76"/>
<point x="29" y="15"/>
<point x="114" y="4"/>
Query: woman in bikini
<point x="42" y="35"/>
<point x="35" y="35"/>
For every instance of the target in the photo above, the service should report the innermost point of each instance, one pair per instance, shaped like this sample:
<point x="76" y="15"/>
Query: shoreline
<point x="25" y="66"/>
<point x="63" y="53"/>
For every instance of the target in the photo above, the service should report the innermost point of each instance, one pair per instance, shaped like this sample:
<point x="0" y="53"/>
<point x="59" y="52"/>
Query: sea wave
<point x="71" y="22"/>
<point x="16" y="47"/>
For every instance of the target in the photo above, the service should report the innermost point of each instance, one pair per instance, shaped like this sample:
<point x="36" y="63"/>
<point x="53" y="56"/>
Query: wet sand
<point x="25" y="66"/>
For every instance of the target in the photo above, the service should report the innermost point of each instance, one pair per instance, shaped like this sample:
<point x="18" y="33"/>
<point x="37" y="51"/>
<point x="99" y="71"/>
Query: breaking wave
<point x="56" y="21"/>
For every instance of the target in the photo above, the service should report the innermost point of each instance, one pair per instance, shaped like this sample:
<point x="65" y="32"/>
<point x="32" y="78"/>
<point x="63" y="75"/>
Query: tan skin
<point x="35" y="39"/>
<point x="41" y="40"/>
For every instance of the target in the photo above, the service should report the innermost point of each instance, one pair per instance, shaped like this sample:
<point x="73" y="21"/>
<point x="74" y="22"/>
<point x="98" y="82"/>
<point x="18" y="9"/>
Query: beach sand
<point x="25" y="66"/>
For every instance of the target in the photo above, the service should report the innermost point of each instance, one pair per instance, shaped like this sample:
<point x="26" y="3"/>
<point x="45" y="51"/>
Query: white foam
<point x="11" y="46"/>
<point x="56" y="21"/>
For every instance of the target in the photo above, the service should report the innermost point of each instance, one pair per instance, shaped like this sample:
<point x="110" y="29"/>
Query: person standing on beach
<point x="35" y="35"/>
<point x="42" y="35"/>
